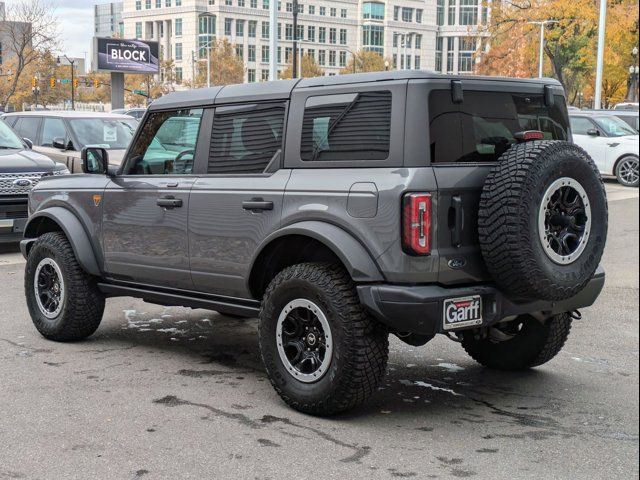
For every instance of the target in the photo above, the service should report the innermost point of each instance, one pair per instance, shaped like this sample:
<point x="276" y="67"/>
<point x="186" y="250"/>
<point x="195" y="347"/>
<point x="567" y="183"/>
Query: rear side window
<point x="347" y="127"/>
<point x="581" y="125"/>
<point x="27" y="127"/>
<point x="53" y="128"/>
<point x="482" y="127"/>
<point x="245" y="140"/>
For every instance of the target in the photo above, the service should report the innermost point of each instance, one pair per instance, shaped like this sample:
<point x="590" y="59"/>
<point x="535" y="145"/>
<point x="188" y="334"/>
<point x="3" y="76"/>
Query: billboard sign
<point x="125" y="56"/>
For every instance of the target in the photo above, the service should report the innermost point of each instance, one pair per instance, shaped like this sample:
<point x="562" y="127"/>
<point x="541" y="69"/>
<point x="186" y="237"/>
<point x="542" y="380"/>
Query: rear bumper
<point x="419" y="309"/>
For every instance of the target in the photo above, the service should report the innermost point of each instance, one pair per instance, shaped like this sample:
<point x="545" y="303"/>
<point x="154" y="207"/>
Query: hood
<point x="25" y="161"/>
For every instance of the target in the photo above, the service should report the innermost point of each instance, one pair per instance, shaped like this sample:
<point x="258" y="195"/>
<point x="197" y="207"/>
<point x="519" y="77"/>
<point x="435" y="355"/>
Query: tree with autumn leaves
<point x="570" y="43"/>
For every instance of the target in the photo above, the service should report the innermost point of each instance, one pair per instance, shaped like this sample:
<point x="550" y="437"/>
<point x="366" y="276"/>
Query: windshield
<point x="103" y="132"/>
<point x="614" y="127"/>
<point x="8" y="138"/>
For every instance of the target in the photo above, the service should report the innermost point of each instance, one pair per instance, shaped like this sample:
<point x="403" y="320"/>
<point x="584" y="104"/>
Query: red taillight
<point x="416" y="223"/>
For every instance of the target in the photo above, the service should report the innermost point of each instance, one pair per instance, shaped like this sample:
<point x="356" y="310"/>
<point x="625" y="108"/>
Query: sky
<point x="75" y="18"/>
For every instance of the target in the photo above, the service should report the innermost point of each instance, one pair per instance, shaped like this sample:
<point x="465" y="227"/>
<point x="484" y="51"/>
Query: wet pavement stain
<point x="268" y="443"/>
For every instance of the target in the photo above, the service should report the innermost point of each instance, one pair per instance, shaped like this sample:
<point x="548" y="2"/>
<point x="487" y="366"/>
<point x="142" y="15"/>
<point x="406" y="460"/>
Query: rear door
<point x="595" y="145"/>
<point x="466" y="139"/>
<point x="237" y="202"/>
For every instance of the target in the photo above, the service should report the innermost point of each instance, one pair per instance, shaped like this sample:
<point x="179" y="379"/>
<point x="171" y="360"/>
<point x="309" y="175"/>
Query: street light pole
<point x="73" y="83"/>
<point x="633" y="77"/>
<point x="295" y="39"/>
<point x="542" y="24"/>
<point x="273" y="40"/>
<point x="600" y="56"/>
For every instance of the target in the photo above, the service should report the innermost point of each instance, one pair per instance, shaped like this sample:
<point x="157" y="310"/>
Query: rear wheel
<point x="323" y="353"/>
<point x="627" y="171"/>
<point x="520" y="344"/>
<point x="64" y="301"/>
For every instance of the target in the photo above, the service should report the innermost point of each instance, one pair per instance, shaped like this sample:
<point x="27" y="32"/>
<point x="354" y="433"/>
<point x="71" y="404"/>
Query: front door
<point x="145" y="212"/>
<point x="238" y="202"/>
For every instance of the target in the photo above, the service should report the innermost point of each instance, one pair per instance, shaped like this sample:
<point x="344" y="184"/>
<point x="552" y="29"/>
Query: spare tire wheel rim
<point x="304" y="340"/>
<point x="48" y="287"/>
<point x="564" y="221"/>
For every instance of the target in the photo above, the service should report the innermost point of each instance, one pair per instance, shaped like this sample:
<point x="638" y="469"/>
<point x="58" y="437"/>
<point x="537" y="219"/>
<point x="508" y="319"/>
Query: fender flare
<point x="350" y="251"/>
<point x="74" y="231"/>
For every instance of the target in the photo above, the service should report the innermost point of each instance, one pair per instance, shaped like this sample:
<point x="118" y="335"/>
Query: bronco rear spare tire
<point x="543" y="220"/>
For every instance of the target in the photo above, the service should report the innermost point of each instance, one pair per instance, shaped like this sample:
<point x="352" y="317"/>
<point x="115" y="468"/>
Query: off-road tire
<point x="360" y="344"/>
<point x="534" y="345"/>
<point x="83" y="303"/>
<point x="508" y="220"/>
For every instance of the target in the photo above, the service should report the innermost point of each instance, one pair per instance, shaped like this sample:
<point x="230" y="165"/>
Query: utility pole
<point x="295" y="39"/>
<point x="600" y="56"/>
<point x="541" y="52"/>
<point x="273" y="40"/>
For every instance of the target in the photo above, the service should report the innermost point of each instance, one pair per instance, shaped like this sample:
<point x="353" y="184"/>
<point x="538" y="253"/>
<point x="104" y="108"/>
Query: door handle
<point x="169" y="202"/>
<point x="458" y="221"/>
<point x="257" y="205"/>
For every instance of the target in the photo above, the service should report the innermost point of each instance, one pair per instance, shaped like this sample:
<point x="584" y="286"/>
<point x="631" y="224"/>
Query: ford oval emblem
<point x="22" y="182"/>
<point x="457" y="263"/>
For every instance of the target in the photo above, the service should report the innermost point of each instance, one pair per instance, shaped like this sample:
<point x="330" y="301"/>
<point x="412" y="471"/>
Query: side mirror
<point x="95" y="160"/>
<point x="592" y="132"/>
<point x="59" y="142"/>
<point x="29" y="143"/>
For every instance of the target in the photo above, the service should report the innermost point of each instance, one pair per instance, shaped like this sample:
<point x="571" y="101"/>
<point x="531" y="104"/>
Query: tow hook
<point x="575" y="315"/>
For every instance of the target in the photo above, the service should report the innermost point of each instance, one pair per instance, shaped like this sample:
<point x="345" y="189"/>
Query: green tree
<point x="308" y="67"/>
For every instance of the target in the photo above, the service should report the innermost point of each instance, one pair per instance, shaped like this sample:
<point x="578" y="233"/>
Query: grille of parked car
<point x="19" y="183"/>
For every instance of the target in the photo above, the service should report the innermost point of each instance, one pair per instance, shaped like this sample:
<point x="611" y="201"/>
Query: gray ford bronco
<point x="337" y="210"/>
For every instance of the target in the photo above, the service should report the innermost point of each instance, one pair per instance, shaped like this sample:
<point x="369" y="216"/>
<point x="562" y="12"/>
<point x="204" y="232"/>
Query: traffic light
<point x="52" y="82"/>
<point x="96" y="83"/>
<point x="34" y="82"/>
<point x="75" y="83"/>
<point x="9" y="79"/>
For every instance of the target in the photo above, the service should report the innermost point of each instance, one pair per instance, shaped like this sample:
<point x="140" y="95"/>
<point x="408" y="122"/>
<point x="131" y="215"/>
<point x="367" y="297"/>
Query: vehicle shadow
<point x="9" y="248"/>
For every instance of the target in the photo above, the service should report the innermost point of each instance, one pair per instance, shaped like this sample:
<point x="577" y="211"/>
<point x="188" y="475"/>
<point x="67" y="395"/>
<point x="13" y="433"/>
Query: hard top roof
<point x="69" y="114"/>
<point x="282" y="89"/>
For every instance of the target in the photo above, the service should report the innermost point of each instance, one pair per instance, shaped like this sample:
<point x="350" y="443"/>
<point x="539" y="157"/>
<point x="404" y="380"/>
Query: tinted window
<point x="634" y="122"/>
<point x="52" y="128"/>
<point x="347" y="127"/>
<point x="166" y="144"/>
<point x="246" y="141"/>
<point x="27" y="127"/>
<point x="482" y="128"/>
<point x="614" y="127"/>
<point x="580" y="125"/>
<point x="8" y="139"/>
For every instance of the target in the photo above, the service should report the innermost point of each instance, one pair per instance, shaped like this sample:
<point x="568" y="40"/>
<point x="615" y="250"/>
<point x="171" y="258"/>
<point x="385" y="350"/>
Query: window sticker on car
<point x="110" y="133"/>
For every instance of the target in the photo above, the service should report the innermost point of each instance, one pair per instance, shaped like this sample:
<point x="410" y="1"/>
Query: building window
<point x="228" y="22"/>
<point x="373" y="11"/>
<point x="240" y="51"/>
<point x="138" y="4"/>
<point x="251" y="75"/>
<point x="419" y="13"/>
<point x="343" y="13"/>
<point x="147" y="4"/>
<point x="333" y="34"/>
<point x="440" y="13"/>
<point x="265" y="4"/>
<point x="452" y="12"/>
<point x="206" y="34"/>
<point x="158" y="3"/>
<point x="178" y="48"/>
<point x="333" y="12"/>
<point x="288" y="31"/>
<point x="265" y="30"/>
<point x="239" y="28"/>
<point x="468" y="12"/>
<point x="178" y="27"/>
<point x="288" y="54"/>
<point x="138" y="29"/>
<point x="322" y="57"/>
<point x="407" y="14"/>
<point x="418" y="44"/>
<point x="265" y="54"/>
<point x="300" y="33"/>
<point x="467" y="47"/>
<point x="254" y="4"/>
<point x="241" y="3"/>
<point x="322" y="35"/>
<point x="312" y="9"/>
<point x="179" y="75"/>
<point x="311" y="34"/>
<point x="178" y="3"/>
<point x="323" y="11"/>
<point x="265" y="76"/>
<point x="396" y="13"/>
<point x="373" y="38"/>
<point x="417" y="62"/>
<point x="450" y="52"/>
<point x="167" y="3"/>
<point x="343" y="59"/>
<point x="332" y="58"/>
<point x="439" y="54"/>
<point x="251" y="53"/>
<point x="343" y="36"/>
<point x="253" y="27"/>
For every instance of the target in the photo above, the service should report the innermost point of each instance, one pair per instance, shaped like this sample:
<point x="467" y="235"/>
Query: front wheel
<point x="64" y="301"/>
<point x="323" y="353"/>
<point x="627" y="171"/>
<point x="520" y="344"/>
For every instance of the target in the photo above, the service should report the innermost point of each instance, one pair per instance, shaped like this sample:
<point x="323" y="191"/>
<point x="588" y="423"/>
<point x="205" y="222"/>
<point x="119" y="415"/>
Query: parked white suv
<point x="611" y="142"/>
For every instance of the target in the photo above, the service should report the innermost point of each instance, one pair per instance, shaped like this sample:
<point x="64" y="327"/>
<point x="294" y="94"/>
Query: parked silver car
<point x="62" y="135"/>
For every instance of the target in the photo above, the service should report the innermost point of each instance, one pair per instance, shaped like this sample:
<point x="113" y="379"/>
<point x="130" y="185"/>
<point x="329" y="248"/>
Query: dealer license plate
<point x="462" y="312"/>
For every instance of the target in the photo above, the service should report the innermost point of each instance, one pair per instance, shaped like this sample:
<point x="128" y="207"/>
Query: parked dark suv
<point x="337" y="210"/>
<point x="20" y="170"/>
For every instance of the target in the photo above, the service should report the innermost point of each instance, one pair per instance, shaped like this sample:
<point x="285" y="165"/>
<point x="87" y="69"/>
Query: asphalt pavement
<point x="173" y="393"/>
